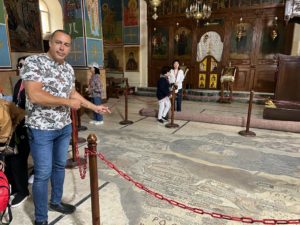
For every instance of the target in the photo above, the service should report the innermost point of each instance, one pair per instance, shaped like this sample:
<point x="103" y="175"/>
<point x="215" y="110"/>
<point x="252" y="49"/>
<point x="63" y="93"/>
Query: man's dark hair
<point x="97" y="71"/>
<point x="165" y="70"/>
<point x="61" y="31"/>
<point x="19" y="66"/>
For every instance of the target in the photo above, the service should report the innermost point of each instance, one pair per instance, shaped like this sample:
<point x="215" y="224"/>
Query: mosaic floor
<point x="201" y="165"/>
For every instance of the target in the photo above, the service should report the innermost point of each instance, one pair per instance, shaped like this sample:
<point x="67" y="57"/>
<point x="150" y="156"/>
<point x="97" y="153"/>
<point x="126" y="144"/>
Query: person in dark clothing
<point x="16" y="165"/>
<point x="162" y="94"/>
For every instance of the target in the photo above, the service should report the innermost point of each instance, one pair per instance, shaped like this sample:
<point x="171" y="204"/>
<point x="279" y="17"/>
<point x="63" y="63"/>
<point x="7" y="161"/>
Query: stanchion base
<point x="247" y="133"/>
<point x="71" y="164"/>
<point x="82" y="128"/>
<point x="172" y="125"/>
<point x="125" y="122"/>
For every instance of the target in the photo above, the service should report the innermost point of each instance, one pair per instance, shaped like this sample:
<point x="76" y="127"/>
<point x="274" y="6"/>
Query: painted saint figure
<point x="131" y="63"/>
<point x="93" y="14"/>
<point x="70" y="15"/>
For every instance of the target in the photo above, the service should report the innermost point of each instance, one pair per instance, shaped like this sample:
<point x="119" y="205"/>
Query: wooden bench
<point x="116" y="87"/>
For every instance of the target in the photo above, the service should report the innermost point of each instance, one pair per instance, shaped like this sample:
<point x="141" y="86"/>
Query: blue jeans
<point x="178" y="100"/>
<point x="49" y="150"/>
<point x="97" y="101"/>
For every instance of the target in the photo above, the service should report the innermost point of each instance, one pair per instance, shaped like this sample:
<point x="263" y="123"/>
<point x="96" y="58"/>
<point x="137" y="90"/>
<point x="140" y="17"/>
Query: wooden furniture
<point x="227" y="81"/>
<point x="209" y="73"/>
<point x="287" y="96"/>
<point x="253" y="55"/>
<point x="117" y="86"/>
<point x="287" y="78"/>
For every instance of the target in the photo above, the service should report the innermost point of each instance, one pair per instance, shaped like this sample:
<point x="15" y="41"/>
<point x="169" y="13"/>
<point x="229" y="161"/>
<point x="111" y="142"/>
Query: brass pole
<point x="247" y="132"/>
<point x="126" y="121"/>
<point x="92" y="146"/>
<point x="72" y="162"/>
<point x="172" y="124"/>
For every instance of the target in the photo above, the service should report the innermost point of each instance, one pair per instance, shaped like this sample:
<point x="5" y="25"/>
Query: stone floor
<point x="202" y="165"/>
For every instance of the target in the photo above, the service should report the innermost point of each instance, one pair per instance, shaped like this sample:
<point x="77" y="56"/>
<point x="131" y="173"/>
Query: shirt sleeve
<point x="180" y="76"/>
<point x="31" y="70"/>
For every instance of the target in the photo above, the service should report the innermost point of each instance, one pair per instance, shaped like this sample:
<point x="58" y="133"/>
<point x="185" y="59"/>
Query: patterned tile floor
<point x="202" y="165"/>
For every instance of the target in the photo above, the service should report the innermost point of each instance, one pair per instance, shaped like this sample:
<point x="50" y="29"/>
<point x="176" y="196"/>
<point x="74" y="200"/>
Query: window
<point x="44" y="17"/>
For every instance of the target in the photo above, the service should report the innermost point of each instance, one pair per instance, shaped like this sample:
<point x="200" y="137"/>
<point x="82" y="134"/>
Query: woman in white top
<point x="176" y="78"/>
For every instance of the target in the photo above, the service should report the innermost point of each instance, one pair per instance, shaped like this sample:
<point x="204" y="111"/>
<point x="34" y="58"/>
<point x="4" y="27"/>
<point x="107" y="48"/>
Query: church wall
<point x="255" y="59"/>
<point x="139" y="79"/>
<point x="56" y="16"/>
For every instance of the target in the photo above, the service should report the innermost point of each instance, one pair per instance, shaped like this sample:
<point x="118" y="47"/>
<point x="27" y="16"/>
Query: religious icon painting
<point x="241" y="44"/>
<point x="131" y="12"/>
<point x="131" y="35"/>
<point x="203" y="65"/>
<point x="202" y="80"/>
<point x="213" y="79"/>
<point x="113" y="58"/>
<point x="94" y="49"/>
<point x="93" y="19"/>
<point x="159" y="43"/>
<point x="77" y="56"/>
<point x="272" y="40"/>
<point x="213" y="65"/>
<point x="24" y="25"/>
<point x="73" y="22"/>
<point x="4" y="47"/>
<point x="112" y="21"/>
<point x="2" y="14"/>
<point x="132" y="59"/>
<point x="183" y="42"/>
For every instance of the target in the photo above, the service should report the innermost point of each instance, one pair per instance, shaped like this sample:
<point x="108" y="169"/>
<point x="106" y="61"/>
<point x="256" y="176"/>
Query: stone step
<point x="211" y="95"/>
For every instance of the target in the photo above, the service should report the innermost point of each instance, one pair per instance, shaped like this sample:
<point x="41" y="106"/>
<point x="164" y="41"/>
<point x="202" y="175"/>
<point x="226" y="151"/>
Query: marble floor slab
<point x="201" y="165"/>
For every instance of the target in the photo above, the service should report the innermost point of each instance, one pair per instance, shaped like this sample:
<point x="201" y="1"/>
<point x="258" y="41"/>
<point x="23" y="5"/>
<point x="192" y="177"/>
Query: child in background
<point x="163" y="93"/>
<point x="95" y="89"/>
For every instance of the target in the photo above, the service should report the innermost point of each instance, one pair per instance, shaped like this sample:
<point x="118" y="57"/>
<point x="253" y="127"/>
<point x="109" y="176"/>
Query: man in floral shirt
<point x="50" y="88"/>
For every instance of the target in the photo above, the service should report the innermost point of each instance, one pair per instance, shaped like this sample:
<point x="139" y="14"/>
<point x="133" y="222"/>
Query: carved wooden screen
<point x="208" y="73"/>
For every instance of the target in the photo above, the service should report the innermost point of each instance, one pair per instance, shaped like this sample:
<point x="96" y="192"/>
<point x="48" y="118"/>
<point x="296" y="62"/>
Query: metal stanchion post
<point x="71" y="163"/>
<point x="172" y="124"/>
<point x="246" y="132"/>
<point x="126" y="121"/>
<point x="92" y="146"/>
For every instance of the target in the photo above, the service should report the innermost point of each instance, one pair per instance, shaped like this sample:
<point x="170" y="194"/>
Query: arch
<point x="55" y="16"/>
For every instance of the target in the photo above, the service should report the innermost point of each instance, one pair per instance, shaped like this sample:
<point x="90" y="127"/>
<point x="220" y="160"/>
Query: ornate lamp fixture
<point x="199" y="10"/>
<point x="155" y="4"/>
<point x="241" y="30"/>
<point x="274" y="30"/>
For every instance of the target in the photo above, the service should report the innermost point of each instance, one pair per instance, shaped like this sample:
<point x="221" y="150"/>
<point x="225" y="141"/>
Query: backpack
<point x="4" y="198"/>
<point x="10" y="116"/>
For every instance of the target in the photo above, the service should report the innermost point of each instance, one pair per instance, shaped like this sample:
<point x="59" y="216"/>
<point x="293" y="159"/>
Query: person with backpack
<point x="16" y="164"/>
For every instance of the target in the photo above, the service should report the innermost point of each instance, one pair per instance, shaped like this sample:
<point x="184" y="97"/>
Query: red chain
<point x="82" y="168"/>
<point x="183" y="206"/>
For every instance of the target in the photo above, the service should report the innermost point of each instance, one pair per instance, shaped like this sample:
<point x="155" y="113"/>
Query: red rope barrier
<point x="182" y="205"/>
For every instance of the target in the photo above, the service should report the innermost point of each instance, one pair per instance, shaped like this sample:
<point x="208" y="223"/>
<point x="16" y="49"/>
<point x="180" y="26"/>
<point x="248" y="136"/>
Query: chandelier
<point x="155" y="4"/>
<point x="199" y="10"/>
<point x="241" y="30"/>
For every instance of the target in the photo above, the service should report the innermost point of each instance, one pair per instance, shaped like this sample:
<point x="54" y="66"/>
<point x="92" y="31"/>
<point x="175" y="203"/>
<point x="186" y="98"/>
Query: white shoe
<point x="92" y="122"/>
<point x="31" y="179"/>
<point x="98" y="123"/>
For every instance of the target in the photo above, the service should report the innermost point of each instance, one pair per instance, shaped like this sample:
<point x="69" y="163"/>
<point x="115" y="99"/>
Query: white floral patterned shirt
<point x="58" y="80"/>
